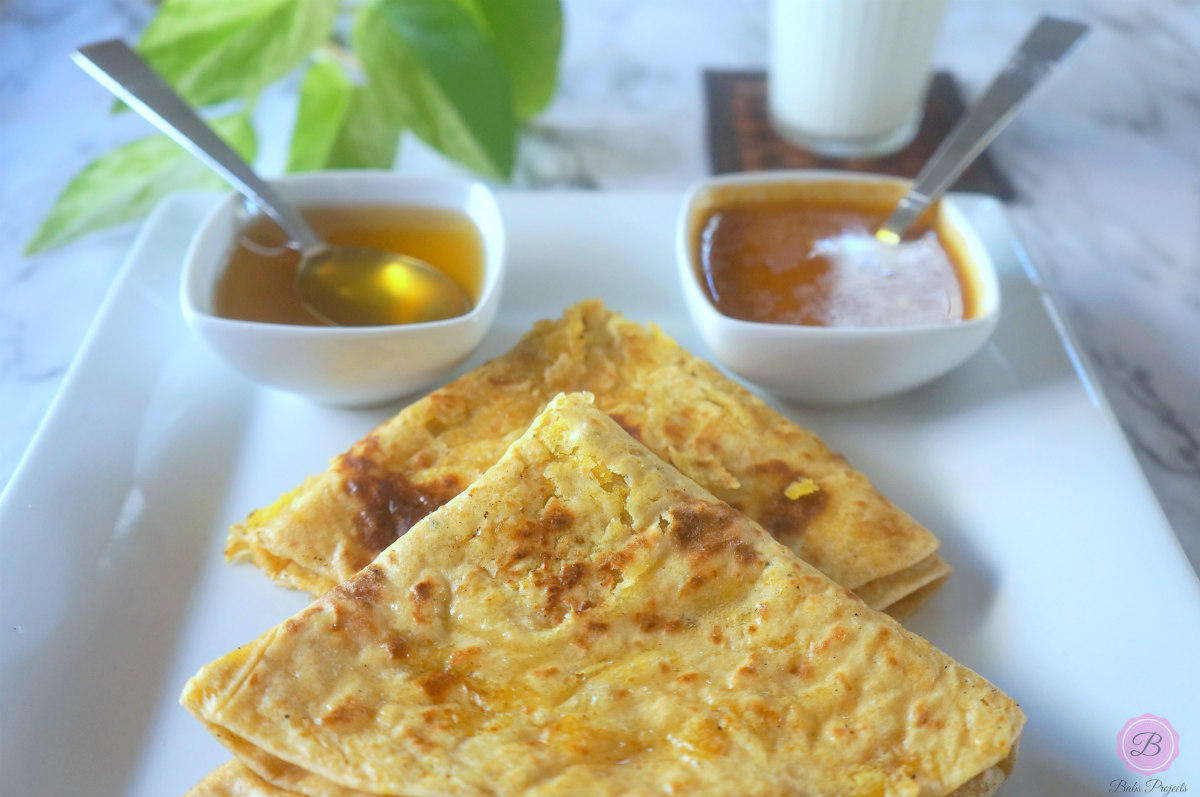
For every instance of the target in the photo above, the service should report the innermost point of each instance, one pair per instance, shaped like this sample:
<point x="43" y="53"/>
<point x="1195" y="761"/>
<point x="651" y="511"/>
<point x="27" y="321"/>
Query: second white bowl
<point x="829" y="366"/>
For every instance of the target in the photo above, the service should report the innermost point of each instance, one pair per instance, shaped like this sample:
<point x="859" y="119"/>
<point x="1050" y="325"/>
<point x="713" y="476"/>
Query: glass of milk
<point x="848" y="78"/>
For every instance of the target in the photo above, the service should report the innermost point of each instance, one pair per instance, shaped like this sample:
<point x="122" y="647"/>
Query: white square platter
<point x="1070" y="590"/>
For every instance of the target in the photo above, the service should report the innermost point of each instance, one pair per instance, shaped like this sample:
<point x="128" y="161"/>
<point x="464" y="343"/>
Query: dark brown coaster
<point x="741" y="139"/>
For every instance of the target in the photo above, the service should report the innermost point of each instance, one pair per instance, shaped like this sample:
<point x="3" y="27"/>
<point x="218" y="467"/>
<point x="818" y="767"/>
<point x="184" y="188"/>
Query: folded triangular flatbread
<point x="235" y="779"/>
<point x="679" y="406"/>
<point x="585" y="620"/>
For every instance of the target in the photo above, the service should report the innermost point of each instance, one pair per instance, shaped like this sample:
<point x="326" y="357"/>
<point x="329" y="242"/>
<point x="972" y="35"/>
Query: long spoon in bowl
<point x="341" y="285"/>
<point x="1042" y="49"/>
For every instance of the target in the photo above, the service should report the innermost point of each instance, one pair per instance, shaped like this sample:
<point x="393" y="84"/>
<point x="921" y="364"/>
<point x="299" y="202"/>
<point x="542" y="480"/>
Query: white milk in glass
<point x="848" y="77"/>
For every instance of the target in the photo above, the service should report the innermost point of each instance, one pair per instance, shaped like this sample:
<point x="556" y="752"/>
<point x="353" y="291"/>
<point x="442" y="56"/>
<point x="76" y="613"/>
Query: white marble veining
<point x="1105" y="158"/>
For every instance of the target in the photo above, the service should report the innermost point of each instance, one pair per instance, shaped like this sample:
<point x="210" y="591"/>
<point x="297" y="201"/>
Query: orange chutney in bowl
<point x="806" y="255"/>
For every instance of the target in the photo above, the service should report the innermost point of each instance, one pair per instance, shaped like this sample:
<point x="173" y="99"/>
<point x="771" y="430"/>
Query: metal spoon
<point x="1042" y="49"/>
<point x="342" y="285"/>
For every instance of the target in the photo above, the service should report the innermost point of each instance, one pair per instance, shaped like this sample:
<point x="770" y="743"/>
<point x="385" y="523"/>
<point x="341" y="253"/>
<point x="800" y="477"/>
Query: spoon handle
<point x="1042" y="49"/>
<point x="126" y="75"/>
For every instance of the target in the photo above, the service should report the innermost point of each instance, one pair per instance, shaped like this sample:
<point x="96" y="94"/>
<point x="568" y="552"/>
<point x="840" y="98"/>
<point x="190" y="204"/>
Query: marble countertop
<point x="1105" y="159"/>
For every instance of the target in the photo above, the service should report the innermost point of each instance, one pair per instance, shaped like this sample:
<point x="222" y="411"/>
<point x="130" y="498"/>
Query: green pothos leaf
<point x="528" y="39"/>
<point x="341" y="125"/>
<point x="212" y="51"/>
<point x="127" y="182"/>
<point x="438" y="73"/>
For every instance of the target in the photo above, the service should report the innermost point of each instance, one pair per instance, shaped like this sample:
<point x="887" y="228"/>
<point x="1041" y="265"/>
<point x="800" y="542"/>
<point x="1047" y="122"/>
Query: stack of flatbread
<point x="681" y="408"/>
<point x="584" y="619"/>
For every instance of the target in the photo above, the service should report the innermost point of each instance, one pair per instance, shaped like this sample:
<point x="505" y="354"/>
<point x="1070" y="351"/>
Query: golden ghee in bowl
<point x="257" y="283"/>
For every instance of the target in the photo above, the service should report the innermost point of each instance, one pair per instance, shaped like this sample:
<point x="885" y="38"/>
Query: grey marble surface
<point x="1105" y="158"/>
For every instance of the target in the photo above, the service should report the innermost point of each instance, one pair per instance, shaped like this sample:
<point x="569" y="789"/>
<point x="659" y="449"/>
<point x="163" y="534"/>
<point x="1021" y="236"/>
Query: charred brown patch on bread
<point x="389" y="504"/>
<point x="707" y="529"/>
<point x="786" y="518"/>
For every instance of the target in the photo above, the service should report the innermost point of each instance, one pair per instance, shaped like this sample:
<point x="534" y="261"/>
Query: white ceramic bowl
<point x="829" y="366"/>
<point x="346" y="366"/>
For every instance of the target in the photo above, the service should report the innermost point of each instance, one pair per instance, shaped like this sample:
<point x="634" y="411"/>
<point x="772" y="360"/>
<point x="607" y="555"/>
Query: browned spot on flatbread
<point x="422" y="597"/>
<point x="354" y="618"/>
<point x="706" y="529"/>
<point x="389" y="503"/>
<point x="566" y="589"/>
<point x="296" y="624"/>
<point x="438" y="686"/>
<point x="652" y="621"/>
<point x="534" y="540"/>
<point x="924" y="718"/>
<point x="592" y="631"/>
<point x="836" y="635"/>
<point x="632" y="429"/>
<point x="764" y="713"/>
<point x="554" y="519"/>
<point x="397" y="647"/>
<point x="348" y="710"/>
<point x="422" y="592"/>
<point x="680" y="424"/>
<point x="784" y="517"/>
<point x="416" y="739"/>
<point x="363" y="587"/>
<point x="707" y="736"/>
<point x="463" y="657"/>
<point x="612" y="567"/>
<point x="557" y="586"/>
